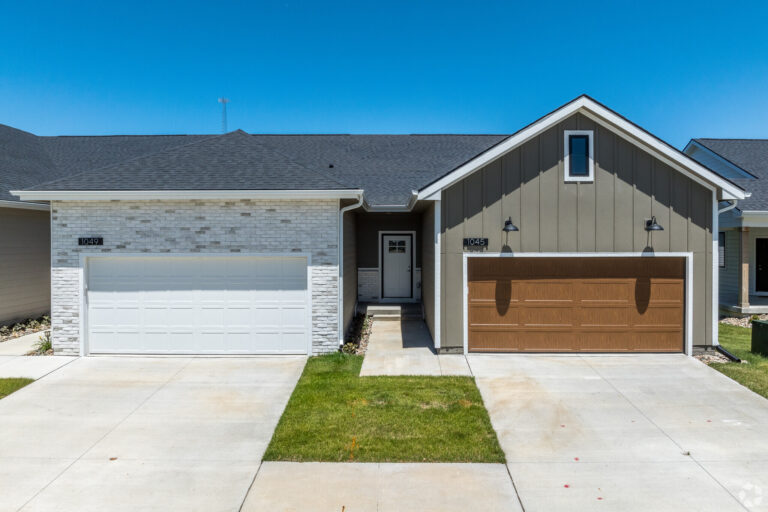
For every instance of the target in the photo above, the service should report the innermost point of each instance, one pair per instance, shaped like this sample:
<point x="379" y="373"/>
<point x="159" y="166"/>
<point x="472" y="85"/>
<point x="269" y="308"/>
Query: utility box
<point x="760" y="337"/>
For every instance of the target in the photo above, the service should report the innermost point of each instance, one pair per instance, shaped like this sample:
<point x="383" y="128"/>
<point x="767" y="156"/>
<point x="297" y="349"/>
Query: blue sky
<point x="680" y="70"/>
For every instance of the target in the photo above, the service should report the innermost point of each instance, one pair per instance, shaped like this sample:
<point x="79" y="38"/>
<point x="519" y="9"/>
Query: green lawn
<point x="8" y="386"/>
<point x="335" y="415"/>
<point x="737" y="341"/>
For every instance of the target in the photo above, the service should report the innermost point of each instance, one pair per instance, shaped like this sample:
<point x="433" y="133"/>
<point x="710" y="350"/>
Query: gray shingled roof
<point x="27" y="160"/>
<point x="752" y="156"/>
<point x="387" y="167"/>
<point x="234" y="161"/>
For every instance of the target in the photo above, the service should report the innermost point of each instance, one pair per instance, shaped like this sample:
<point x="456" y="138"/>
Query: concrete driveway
<point x="638" y="432"/>
<point x="136" y="433"/>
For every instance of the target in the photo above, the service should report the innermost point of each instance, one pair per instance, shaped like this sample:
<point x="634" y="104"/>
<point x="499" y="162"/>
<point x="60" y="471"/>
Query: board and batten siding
<point x="428" y="267"/>
<point x="607" y="215"/>
<point x="25" y="272"/>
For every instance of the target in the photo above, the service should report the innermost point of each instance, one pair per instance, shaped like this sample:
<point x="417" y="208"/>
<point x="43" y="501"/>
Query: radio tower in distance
<point x="223" y="102"/>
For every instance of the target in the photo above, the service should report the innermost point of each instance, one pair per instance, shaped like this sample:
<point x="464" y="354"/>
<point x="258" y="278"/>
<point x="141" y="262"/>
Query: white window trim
<point x="688" y="334"/>
<point x="567" y="156"/>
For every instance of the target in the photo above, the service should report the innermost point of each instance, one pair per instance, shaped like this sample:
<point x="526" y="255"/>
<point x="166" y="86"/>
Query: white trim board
<point x="438" y="275"/>
<point x="688" y="281"/>
<point x="21" y="205"/>
<point x="83" y="283"/>
<point x="590" y="177"/>
<point x="380" y="234"/>
<point x="137" y="195"/>
<point x="607" y="118"/>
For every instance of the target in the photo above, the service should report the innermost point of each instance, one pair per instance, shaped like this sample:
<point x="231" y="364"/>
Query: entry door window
<point x="396" y="266"/>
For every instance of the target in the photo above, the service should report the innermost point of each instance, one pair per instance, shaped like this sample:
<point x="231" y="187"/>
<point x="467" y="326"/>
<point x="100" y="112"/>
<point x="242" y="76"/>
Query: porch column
<point x="744" y="270"/>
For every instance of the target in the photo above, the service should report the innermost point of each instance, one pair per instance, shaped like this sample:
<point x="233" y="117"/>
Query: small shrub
<point x="754" y="317"/>
<point x="45" y="320"/>
<point x="349" y="348"/>
<point x="44" y="345"/>
<point x="4" y="331"/>
<point x="17" y="327"/>
<point x="33" y="325"/>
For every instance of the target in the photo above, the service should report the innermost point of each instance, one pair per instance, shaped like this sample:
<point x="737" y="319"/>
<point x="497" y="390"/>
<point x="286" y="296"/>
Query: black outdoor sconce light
<point x="652" y="225"/>
<point x="509" y="227"/>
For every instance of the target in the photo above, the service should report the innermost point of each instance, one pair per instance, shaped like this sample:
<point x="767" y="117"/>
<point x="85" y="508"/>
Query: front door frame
<point x="756" y="242"/>
<point x="382" y="233"/>
<point x="688" y="315"/>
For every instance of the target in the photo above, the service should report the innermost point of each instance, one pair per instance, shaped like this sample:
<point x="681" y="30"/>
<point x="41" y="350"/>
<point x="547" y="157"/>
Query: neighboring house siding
<point x="428" y="267"/>
<point x="605" y="216"/>
<point x="729" y="275"/>
<point x="155" y="227"/>
<point x="350" y="269"/>
<point x="25" y="272"/>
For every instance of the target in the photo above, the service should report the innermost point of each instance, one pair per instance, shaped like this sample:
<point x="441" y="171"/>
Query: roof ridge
<point x="207" y="135"/>
<point x="120" y="162"/>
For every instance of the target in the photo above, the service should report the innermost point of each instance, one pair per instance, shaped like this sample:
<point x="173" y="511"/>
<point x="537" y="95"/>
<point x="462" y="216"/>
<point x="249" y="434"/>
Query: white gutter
<point x="340" y="313"/>
<point x="127" y="195"/>
<point x="729" y="207"/>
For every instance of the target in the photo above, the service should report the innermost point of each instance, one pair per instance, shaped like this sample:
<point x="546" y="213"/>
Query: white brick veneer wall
<point x="222" y="227"/>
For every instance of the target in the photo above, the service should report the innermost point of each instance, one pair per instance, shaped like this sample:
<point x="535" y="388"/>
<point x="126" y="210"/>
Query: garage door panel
<point x="603" y="315"/>
<point x="493" y="313"/>
<point x="546" y="316"/>
<point x="206" y="304"/>
<point x="576" y="304"/>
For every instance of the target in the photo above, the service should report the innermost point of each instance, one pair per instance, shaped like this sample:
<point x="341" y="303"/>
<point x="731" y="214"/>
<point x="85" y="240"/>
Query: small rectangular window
<point x="579" y="153"/>
<point x="721" y="249"/>
<point x="579" y="160"/>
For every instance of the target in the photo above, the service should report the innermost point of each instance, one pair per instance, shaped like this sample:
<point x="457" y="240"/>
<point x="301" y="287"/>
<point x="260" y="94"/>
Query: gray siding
<point x="553" y="216"/>
<point x="350" y="269"/>
<point x="428" y="267"/>
<point x="729" y="275"/>
<point x="25" y="264"/>
<point x="368" y="227"/>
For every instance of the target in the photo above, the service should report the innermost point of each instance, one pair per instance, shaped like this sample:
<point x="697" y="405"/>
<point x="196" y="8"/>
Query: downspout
<point x="340" y="313"/>
<point x="716" y="271"/>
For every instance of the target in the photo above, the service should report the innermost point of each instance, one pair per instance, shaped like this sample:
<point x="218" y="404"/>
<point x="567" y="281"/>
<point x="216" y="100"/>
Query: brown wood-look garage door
<point x="576" y="304"/>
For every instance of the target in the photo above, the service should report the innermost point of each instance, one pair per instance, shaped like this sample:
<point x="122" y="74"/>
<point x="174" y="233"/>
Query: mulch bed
<point x="29" y="326"/>
<point x="742" y="322"/>
<point x="358" y="334"/>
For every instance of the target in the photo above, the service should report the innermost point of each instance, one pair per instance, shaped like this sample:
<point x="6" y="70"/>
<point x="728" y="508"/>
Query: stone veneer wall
<point x="208" y="227"/>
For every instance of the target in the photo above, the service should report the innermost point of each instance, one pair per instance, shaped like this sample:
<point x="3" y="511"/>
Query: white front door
<point x="396" y="266"/>
<point x="213" y="304"/>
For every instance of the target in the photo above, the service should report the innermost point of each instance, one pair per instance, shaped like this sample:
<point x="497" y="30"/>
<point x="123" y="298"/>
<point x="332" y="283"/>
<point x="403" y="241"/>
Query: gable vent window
<point x="579" y="150"/>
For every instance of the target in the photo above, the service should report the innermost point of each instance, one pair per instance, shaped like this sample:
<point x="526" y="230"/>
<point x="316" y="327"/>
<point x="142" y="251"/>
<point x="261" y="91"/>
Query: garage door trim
<point x="82" y="286"/>
<point x="688" y="281"/>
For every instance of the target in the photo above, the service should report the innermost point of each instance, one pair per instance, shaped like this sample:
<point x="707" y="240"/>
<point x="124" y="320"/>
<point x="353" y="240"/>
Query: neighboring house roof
<point x="750" y="155"/>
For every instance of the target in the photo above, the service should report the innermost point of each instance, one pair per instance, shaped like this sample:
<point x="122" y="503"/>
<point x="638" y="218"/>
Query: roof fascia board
<point x="596" y="112"/>
<point x="21" y="205"/>
<point x="110" y="195"/>
<point x="720" y="158"/>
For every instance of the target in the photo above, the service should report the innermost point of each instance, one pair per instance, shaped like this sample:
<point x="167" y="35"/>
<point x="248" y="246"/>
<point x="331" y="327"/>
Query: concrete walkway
<point x="404" y="347"/>
<point x="630" y="433"/>
<point x="141" y="433"/>
<point x="361" y="487"/>
<point x="19" y="346"/>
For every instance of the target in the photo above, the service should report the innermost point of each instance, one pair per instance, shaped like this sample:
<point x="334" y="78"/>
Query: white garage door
<point x="198" y="305"/>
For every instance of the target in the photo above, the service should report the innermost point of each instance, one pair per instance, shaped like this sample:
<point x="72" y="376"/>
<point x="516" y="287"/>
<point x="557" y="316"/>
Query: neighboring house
<point x="25" y="250"/>
<point x="743" y="240"/>
<point x="544" y="240"/>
